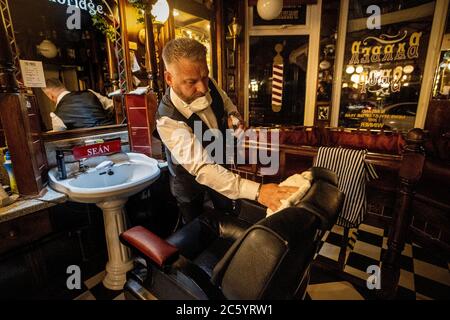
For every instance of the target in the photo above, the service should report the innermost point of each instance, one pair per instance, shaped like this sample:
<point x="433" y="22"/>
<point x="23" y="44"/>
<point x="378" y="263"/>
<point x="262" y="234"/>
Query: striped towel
<point x="352" y="172"/>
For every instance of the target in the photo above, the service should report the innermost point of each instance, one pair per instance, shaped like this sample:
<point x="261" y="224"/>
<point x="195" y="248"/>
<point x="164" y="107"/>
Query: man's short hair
<point x="54" y="83"/>
<point x="183" y="48"/>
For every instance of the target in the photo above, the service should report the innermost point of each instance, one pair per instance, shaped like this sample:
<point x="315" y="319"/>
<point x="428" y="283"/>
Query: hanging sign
<point x="277" y="79"/>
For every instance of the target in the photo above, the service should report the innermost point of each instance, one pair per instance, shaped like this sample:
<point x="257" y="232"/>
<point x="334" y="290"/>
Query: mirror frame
<point x="76" y="133"/>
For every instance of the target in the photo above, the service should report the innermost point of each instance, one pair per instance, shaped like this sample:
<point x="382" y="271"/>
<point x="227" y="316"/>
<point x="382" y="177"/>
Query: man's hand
<point x="235" y="121"/>
<point x="237" y="124"/>
<point x="271" y="195"/>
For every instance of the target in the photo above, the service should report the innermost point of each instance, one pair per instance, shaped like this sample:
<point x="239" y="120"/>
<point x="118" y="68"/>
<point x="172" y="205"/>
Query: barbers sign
<point x="86" y="5"/>
<point x="370" y="76"/>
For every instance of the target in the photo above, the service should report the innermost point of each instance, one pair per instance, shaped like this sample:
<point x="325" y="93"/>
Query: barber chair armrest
<point x="150" y="245"/>
<point x="251" y="211"/>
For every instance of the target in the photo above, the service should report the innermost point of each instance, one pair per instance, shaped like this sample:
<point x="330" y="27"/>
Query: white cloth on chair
<point x="352" y="172"/>
<point x="303" y="182"/>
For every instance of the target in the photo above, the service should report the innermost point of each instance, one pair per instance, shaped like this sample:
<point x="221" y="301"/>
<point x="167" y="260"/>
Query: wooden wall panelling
<point x="141" y="110"/>
<point x="2" y="136"/>
<point x="21" y="124"/>
<point x="25" y="146"/>
<point x="35" y="120"/>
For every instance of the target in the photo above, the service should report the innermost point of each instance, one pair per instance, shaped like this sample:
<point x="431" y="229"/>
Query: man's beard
<point x="186" y="99"/>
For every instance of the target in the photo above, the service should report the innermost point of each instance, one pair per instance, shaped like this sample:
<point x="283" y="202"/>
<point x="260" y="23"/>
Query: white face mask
<point x="200" y="104"/>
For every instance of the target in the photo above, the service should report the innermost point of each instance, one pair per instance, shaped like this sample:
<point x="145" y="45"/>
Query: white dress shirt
<point x="61" y="95"/>
<point x="189" y="152"/>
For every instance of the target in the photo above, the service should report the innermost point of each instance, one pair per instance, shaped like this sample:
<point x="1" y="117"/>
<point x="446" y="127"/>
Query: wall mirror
<point x="77" y="55"/>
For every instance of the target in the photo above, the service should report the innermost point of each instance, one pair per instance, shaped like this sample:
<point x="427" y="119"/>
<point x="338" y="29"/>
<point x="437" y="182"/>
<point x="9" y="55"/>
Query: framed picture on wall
<point x="230" y="59"/>
<point x="230" y="83"/>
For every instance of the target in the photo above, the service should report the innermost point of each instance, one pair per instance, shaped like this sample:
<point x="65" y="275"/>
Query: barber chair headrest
<point x="269" y="259"/>
<point x="323" y="199"/>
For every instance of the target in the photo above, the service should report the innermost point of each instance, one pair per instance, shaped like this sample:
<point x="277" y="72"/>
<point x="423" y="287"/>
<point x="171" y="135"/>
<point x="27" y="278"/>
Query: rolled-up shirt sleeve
<point x="187" y="151"/>
<point x="228" y="105"/>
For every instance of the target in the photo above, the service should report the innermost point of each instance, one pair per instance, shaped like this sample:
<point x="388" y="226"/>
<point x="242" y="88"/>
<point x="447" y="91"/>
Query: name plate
<point x="98" y="149"/>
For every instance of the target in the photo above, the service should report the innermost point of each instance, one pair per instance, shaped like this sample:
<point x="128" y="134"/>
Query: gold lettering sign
<point x="385" y="48"/>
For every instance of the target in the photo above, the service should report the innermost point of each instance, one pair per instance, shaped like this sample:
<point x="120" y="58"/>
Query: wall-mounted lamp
<point x="234" y="30"/>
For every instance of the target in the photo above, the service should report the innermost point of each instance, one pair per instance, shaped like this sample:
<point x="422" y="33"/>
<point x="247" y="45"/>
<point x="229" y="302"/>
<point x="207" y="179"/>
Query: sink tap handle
<point x="104" y="165"/>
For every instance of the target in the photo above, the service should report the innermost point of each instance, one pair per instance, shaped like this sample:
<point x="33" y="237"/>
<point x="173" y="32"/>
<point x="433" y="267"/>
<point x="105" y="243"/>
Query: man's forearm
<point x="226" y="182"/>
<point x="189" y="153"/>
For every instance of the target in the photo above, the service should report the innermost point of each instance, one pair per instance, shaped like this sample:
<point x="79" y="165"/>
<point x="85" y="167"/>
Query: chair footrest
<point x="153" y="247"/>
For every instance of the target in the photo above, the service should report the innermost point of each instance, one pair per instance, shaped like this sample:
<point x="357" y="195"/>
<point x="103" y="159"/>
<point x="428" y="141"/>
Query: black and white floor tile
<point x="423" y="276"/>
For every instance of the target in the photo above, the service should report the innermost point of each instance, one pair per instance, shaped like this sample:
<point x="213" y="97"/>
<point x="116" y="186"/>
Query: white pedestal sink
<point x="109" y="189"/>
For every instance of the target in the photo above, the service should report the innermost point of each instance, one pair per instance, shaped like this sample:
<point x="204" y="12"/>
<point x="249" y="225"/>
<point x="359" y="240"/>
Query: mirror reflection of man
<point x="80" y="109"/>
<point x="195" y="99"/>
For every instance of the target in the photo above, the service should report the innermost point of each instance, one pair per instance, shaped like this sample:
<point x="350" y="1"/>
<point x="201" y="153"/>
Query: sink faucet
<point x="105" y="165"/>
<point x="61" y="164"/>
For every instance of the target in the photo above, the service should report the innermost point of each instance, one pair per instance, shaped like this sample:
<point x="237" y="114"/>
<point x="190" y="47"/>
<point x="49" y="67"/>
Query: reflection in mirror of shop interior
<point x="190" y="26"/>
<point x="77" y="57"/>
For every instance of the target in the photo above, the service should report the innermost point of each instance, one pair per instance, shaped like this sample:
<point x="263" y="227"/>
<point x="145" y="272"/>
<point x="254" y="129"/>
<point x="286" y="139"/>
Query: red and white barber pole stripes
<point x="277" y="87"/>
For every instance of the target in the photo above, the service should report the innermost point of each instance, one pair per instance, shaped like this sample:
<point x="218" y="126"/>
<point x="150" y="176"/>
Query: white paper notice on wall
<point x="32" y="74"/>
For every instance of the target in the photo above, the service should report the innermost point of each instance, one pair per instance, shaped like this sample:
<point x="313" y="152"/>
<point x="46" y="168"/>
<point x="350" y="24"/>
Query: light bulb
<point x="355" y="78"/>
<point x="269" y="9"/>
<point x="161" y="11"/>
<point x="408" y="69"/>
<point x="350" y="69"/>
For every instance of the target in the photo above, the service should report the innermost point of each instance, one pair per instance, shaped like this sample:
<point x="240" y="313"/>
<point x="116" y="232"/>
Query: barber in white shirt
<point x="194" y="99"/>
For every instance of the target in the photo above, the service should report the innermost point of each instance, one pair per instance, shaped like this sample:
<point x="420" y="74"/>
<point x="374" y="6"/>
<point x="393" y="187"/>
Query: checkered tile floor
<point x="422" y="275"/>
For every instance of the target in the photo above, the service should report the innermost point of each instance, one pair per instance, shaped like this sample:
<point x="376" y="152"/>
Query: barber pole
<point x="277" y="80"/>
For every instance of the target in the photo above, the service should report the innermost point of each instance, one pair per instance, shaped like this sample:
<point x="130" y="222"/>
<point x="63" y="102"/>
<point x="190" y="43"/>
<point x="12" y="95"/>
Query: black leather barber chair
<point x="219" y="256"/>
